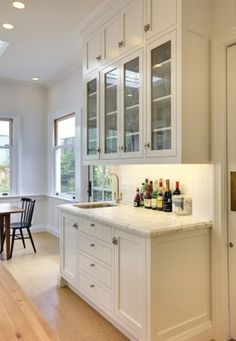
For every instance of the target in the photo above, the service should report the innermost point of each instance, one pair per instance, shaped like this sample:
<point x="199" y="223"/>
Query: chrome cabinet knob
<point x="92" y="224"/>
<point x="147" y="145"/>
<point x="92" y="286"/>
<point x="115" y="241"/>
<point x="121" y="148"/>
<point x="92" y="265"/>
<point x="147" y="27"/>
<point x="121" y="44"/>
<point x="99" y="57"/>
<point x="75" y="226"/>
<point x="92" y="245"/>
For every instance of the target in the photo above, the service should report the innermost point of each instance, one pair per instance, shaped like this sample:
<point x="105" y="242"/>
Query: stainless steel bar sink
<point x="95" y="205"/>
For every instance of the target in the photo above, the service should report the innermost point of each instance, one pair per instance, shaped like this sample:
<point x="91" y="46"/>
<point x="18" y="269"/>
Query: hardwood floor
<point x="73" y="319"/>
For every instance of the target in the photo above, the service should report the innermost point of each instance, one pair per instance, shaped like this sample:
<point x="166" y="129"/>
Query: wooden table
<point x="5" y="218"/>
<point x="19" y="318"/>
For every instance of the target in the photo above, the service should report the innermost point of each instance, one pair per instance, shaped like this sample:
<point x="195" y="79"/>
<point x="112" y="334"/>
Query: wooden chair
<point x="24" y="223"/>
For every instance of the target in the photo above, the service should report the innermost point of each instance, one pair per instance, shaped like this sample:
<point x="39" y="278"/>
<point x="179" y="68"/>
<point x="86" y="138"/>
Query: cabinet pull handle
<point x="92" y="265"/>
<point x="92" y="286"/>
<point x="147" y="145"/>
<point x="115" y="241"/>
<point x="121" y="44"/>
<point x="146" y="27"/>
<point x="92" y="245"/>
<point x="121" y="148"/>
<point x="92" y="224"/>
<point x="98" y="150"/>
<point x="75" y="226"/>
<point x="99" y="57"/>
<point x="231" y="245"/>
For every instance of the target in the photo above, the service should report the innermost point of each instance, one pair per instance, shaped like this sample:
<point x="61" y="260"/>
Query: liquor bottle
<point x="148" y="197"/>
<point x="154" y="197"/>
<point x="137" y="198"/>
<point x="160" y="196"/>
<point x="177" y="190"/>
<point x="167" y="198"/>
<point x="142" y="195"/>
<point x="151" y="184"/>
<point x="145" y="186"/>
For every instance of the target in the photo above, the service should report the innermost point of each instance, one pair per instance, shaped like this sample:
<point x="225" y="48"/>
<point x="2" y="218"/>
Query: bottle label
<point x="147" y="203"/>
<point x="160" y="203"/>
<point x="154" y="204"/>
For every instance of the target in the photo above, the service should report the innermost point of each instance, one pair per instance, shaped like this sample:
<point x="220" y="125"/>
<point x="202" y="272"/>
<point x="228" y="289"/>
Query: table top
<point x="7" y="208"/>
<point x="19" y="318"/>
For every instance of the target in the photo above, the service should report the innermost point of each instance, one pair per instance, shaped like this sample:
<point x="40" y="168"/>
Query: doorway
<point x="231" y="169"/>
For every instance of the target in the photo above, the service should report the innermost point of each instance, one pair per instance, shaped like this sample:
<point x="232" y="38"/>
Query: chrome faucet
<point x="117" y="194"/>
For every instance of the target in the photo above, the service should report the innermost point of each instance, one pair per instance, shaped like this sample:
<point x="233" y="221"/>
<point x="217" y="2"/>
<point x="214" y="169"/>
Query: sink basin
<point x="95" y="205"/>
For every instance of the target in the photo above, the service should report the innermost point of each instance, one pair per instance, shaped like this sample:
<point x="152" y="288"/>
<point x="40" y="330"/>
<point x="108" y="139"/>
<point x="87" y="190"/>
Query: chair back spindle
<point x="26" y="216"/>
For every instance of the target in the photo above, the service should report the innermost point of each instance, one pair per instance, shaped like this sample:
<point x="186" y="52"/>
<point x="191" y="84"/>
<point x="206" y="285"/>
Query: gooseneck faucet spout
<point x="117" y="194"/>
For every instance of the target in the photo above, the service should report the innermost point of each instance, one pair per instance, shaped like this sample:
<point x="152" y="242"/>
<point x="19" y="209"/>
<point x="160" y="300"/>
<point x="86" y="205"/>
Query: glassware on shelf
<point x="92" y="117"/>
<point x="131" y="105"/>
<point x="161" y="97"/>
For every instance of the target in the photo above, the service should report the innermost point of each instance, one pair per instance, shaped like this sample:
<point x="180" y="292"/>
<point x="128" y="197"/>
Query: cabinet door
<point x="91" y="133"/>
<point x="161" y="97"/>
<point x="133" y="23"/>
<point x="131" y="107"/>
<point x="130" y="282"/>
<point x="110" y="109"/>
<point x="93" y="52"/>
<point x="69" y="246"/>
<point x="113" y="38"/>
<point x="161" y="15"/>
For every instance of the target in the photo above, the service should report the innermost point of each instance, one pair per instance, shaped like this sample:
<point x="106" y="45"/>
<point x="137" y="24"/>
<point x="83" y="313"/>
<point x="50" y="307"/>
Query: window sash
<point x="56" y="123"/>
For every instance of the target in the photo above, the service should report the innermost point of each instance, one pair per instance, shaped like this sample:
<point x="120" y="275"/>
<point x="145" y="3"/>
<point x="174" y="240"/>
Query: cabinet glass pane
<point x="161" y="97"/>
<point x="92" y="117"/>
<point x="111" y="81"/>
<point x="131" y="105"/>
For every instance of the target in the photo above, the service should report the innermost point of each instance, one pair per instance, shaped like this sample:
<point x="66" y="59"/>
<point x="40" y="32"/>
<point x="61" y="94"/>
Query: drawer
<point x="96" y="230"/>
<point x="95" y="270"/>
<point x="95" y="248"/>
<point x="95" y="292"/>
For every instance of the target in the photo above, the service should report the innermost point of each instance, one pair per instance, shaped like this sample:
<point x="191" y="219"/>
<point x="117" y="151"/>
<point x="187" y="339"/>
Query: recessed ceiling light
<point x="18" y="5"/>
<point x="35" y="78"/>
<point x="7" y="26"/>
<point x="3" y="46"/>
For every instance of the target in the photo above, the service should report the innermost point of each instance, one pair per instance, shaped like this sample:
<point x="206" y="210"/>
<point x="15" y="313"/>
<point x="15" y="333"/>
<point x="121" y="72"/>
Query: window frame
<point x="14" y="149"/>
<point x="102" y="189"/>
<point x="57" y="147"/>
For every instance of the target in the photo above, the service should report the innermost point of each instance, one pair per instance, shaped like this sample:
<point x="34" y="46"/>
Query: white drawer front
<point x="95" y="249"/>
<point x="95" y="229"/>
<point x="95" y="292"/>
<point x="96" y="270"/>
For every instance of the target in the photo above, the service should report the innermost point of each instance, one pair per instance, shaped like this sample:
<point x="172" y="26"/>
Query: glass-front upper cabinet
<point x="110" y="113"/>
<point x="92" y="118"/>
<point x="121" y="102"/>
<point x="161" y="97"/>
<point x="131" y="127"/>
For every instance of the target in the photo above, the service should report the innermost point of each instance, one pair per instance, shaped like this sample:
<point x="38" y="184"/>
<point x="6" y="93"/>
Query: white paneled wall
<point x="195" y="180"/>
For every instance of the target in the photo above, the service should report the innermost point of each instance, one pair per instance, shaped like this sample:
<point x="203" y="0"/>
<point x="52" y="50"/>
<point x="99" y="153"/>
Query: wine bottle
<point x="167" y="198"/>
<point x="137" y="198"/>
<point x="177" y="190"/>
<point x="148" y="197"/>
<point x="154" y="197"/>
<point x="142" y="195"/>
<point x="160" y="196"/>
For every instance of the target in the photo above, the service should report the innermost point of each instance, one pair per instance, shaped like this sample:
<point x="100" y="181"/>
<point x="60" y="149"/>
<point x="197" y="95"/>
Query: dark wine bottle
<point x="137" y="199"/>
<point x="167" y="198"/>
<point x="177" y="190"/>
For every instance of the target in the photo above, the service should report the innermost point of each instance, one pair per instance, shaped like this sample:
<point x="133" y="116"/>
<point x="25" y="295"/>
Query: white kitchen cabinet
<point x="93" y="52"/>
<point x="152" y="281"/>
<point x="130" y="282"/>
<point x="121" y="109"/>
<point x="124" y="31"/>
<point x="160" y="16"/>
<point x="161" y="97"/>
<point x="92" y="117"/>
<point x="68" y="246"/>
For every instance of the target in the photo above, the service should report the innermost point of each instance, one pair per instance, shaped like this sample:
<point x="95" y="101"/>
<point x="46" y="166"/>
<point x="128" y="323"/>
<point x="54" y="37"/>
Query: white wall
<point x="195" y="180"/>
<point x="224" y="16"/>
<point x="65" y="95"/>
<point x="29" y="102"/>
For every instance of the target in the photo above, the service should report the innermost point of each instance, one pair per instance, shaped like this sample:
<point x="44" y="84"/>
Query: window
<point x="6" y="146"/>
<point x="64" y="146"/>
<point x="101" y="183"/>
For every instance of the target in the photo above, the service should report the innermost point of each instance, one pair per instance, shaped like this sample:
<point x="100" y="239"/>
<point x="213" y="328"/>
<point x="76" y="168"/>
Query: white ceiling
<point x="45" y="40"/>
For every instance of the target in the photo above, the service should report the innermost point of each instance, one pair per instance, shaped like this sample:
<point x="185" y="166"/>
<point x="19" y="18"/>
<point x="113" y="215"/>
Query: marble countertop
<point x="139" y="220"/>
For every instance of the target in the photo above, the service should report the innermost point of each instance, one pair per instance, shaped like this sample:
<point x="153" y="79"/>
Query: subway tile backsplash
<point x="195" y="181"/>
